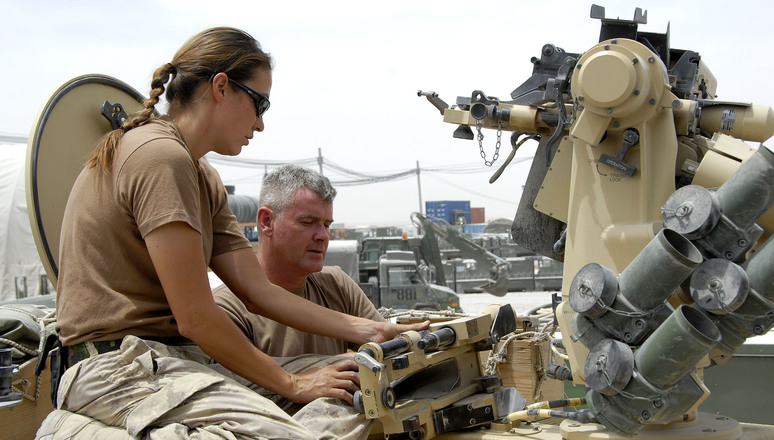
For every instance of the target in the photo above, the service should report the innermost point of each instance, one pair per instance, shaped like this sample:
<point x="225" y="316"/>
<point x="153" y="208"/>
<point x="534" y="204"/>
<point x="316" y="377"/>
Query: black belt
<point x="79" y="352"/>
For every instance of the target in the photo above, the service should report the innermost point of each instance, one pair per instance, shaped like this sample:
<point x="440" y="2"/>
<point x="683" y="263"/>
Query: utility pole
<point x="419" y="189"/>
<point x="319" y="159"/>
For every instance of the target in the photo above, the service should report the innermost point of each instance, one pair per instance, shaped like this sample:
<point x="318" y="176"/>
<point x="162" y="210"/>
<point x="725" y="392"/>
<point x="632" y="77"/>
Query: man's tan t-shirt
<point x="331" y="288"/>
<point x="107" y="286"/>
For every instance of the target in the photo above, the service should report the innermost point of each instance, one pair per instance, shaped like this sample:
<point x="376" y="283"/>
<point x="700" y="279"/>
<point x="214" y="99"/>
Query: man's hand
<point x="336" y="380"/>
<point x="385" y="331"/>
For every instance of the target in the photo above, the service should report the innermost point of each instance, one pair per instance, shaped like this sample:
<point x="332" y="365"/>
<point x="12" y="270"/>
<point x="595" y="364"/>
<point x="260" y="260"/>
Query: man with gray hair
<point x="293" y="222"/>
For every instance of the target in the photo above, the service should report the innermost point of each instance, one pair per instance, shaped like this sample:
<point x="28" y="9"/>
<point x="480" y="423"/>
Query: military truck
<point x="372" y="249"/>
<point x="401" y="286"/>
<point x="396" y="283"/>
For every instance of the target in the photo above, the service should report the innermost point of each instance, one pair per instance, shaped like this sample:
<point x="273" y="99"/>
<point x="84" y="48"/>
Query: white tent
<point x="21" y="271"/>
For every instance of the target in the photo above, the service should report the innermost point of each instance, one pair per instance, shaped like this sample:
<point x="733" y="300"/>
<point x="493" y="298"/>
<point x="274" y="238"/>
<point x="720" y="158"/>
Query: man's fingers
<point x="344" y="365"/>
<point x="349" y="381"/>
<point x="349" y="354"/>
<point x="418" y="327"/>
<point x="342" y="394"/>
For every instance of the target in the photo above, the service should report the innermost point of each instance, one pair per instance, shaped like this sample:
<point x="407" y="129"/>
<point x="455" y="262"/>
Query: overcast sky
<point x="347" y="75"/>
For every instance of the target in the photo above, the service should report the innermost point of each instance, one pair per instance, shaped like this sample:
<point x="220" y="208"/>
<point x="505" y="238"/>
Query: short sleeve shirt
<point x="331" y="288"/>
<point x="107" y="285"/>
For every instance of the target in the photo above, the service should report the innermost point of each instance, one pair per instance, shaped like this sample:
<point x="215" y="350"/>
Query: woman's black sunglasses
<point x="260" y="100"/>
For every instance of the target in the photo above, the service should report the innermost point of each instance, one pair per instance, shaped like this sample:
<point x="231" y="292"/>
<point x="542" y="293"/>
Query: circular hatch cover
<point x="63" y="137"/>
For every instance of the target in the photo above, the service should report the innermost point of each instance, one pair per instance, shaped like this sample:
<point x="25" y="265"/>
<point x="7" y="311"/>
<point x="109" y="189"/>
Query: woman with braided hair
<point x="147" y="348"/>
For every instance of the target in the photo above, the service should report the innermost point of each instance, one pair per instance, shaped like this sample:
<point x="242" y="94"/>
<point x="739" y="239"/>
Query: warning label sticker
<point x="727" y="119"/>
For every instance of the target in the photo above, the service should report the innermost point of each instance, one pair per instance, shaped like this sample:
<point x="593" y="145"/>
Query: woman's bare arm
<point x="177" y="255"/>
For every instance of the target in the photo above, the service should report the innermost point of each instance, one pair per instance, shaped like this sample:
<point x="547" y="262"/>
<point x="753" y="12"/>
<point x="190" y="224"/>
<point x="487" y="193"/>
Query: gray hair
<point x="280" y="185"/>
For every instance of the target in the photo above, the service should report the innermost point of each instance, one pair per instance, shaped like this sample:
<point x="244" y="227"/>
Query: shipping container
<point x="455" y="212"/>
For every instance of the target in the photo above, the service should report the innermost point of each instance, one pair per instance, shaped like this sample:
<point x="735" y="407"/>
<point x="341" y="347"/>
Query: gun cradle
<point x="429" y="384"/>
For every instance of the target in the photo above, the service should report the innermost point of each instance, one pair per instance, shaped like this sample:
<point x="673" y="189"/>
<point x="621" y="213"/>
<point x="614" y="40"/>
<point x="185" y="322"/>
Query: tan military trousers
<point x="150" y="390"/>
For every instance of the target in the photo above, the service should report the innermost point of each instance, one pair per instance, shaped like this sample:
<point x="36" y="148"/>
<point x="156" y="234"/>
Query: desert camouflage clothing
<point x="150" y="390"/>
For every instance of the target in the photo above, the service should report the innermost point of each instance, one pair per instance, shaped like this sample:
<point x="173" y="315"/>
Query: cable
<point x="583" y="416"/>
<point x="559" y="403"/>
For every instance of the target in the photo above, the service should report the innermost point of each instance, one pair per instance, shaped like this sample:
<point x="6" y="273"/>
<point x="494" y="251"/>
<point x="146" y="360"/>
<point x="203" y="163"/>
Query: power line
<point x="349" y="177"/>
<point x="462" y="188"/>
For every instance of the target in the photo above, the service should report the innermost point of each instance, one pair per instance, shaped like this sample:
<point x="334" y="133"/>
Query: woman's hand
<point x="338" y="380"/>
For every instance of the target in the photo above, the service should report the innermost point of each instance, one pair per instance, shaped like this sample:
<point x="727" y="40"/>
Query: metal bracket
<point x="114" y="113"/>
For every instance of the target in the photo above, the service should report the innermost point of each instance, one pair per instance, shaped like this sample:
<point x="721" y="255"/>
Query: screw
<point x="742" y="242"/>
<point x="651" y="60"/>
<point x="652" y="101"/>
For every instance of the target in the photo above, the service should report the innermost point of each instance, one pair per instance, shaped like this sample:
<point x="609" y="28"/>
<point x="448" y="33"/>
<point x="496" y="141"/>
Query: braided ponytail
<point x="102" y="156"/>
<point x="220" y="49"/>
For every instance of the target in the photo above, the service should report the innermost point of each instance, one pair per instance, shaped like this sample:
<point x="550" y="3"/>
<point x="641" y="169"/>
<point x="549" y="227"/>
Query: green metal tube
<point x="760" y="270"/>
<point x="655" y="273"/>
<point x="749" y="193"/>
<point x="677" y="345"/>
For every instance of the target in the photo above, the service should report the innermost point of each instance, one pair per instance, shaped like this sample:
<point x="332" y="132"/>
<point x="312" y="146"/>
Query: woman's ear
<point x="219" y="83"/>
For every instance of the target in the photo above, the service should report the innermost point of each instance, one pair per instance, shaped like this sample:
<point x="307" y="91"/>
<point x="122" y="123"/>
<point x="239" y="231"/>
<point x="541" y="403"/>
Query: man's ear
<point x="265" y="220"/>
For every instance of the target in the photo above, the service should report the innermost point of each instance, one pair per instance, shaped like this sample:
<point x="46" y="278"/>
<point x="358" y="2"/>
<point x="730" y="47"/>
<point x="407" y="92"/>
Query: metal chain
<point x="635" y="314"/>
<point x="481" y="143"/>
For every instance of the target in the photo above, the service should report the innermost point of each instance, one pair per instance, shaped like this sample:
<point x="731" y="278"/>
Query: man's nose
<point x="322" y="233"/>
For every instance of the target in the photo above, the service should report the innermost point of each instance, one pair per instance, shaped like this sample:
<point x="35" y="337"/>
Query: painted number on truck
<point x="405" y="294"/>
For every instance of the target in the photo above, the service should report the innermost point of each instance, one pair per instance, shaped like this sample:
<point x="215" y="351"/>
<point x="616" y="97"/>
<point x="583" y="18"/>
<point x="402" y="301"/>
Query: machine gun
<point x="662" y="223"/>
<point x="428" y="384"/>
